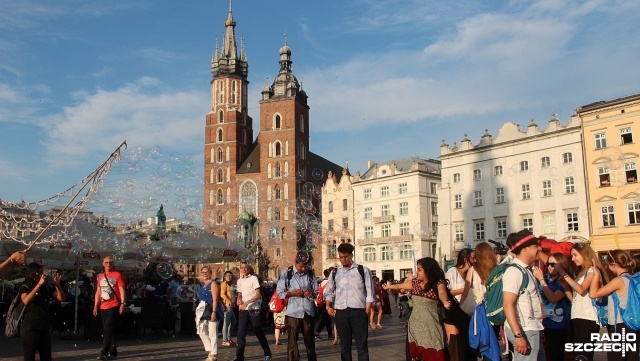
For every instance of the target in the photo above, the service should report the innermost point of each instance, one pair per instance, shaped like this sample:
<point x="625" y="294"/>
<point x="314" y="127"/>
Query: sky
<point x="386" y="79"/>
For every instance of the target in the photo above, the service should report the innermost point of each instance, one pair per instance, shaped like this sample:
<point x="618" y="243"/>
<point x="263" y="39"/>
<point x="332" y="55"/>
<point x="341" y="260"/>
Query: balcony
<point x="384" y="219"/>
<point x="381" y="240"/>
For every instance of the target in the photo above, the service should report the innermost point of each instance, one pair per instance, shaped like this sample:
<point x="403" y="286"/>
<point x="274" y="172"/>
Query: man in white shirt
<point x="523" y="310"/>
<point x="348" y="296"/>
<point x="249" y="294"/>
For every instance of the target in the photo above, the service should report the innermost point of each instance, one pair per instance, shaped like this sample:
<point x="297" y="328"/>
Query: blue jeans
<point x="536" y="352"/>
<point x="229" y="320"/>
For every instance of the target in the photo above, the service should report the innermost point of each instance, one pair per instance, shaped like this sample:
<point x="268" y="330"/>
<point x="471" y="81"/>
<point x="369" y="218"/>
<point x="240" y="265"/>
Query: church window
<point x="219" y="135"/>
<point x="219" y="217"/>
<point x="220" y="197"/>
<point x="248" y="198"/>
<point x="277" y="122"/>
<point x="276" y="213"/>
<point x="277" y="193"/>
<point x="220" y="177"/>
<point x="220" y="155"/>
<point x="233" y="86"/>
<point x="233" y="98"/>
<point x="277" y="173"/>
<point x="302" y="123"/>
<point x="220" y="116"/>
<point x="278" y="149"/>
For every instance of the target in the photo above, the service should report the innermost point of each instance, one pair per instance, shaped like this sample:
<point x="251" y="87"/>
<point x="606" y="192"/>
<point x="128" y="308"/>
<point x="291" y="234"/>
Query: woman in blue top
<point x="556" y="296"/>
<point x="209" y="293"/>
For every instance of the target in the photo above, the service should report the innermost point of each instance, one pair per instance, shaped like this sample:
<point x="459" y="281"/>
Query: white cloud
<point x="142" y="112"/>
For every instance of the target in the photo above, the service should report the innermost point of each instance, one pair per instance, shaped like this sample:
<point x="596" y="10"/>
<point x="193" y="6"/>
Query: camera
<point x="500" y="248"/>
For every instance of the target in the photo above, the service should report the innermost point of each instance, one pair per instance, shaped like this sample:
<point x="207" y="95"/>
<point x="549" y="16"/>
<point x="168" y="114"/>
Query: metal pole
<point x="75" y="321"/>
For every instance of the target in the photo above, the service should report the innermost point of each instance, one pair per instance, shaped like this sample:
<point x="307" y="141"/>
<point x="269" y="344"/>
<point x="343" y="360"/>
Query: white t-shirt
<point x="248" y="286"/>
<point x="582" y="307"/>
<point x="476" y="282"/>
<point x="528" y="305"/>
<point x="456" y="281"/>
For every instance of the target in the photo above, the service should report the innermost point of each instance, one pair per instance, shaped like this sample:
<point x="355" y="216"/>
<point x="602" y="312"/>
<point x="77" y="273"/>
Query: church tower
<point x="228" y="129"/>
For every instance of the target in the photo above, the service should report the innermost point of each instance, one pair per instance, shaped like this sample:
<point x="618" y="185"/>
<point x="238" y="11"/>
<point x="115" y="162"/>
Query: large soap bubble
<point x="164" y="270"/>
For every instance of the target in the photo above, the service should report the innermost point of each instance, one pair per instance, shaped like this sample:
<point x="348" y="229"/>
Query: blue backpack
<point x="630" y="315"/>
<point x="602" y="308"/>
<point x="493" y="296"/>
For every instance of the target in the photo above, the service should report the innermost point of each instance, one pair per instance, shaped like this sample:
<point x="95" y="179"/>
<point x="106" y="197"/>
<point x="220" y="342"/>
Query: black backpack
<point x="332" y="277"/>
<point x="310" y="277"/>
<point x="14" y="317"/>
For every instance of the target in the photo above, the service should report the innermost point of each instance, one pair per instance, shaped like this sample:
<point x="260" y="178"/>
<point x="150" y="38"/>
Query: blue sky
<point x="386" y="78"/>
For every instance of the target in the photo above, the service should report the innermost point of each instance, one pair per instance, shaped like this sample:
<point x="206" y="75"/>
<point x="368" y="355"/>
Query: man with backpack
<point x="348" y="295"/>
<point x="522" y="304"/>
<point x="110" y="300"/>
<point x="298" y="285"/>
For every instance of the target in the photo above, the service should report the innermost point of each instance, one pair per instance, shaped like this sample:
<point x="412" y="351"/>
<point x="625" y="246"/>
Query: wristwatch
<point x="518" y="335"/>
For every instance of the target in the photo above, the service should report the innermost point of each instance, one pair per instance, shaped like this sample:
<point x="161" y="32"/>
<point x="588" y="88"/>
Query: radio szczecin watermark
<point x="614" y="342"/>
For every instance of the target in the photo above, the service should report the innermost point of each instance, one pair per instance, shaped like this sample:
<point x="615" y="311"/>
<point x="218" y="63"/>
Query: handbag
<point x="276" y="304"/>
<point x="474" y="298"/>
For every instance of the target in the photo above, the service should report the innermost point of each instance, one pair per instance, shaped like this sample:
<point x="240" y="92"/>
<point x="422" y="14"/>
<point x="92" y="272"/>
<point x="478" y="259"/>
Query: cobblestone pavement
<point x="385" y="344"/>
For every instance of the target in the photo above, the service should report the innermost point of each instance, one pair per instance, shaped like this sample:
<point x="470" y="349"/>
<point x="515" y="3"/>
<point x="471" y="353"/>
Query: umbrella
<point x="196" y="245"/>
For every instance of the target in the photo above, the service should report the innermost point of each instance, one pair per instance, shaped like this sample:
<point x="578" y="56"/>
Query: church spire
<point x="226" y="60"/>
<point x="230" y="49"/>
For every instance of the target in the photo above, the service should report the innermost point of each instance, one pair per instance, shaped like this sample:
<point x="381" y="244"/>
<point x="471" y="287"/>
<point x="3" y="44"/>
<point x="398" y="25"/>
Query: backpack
<point x="601" y="308"/>
<point x="493" y="297"/>
<point x="287" y="282"/>
<point x="319" y="301"/>
<point x="630" y="315"/>
<point x="14" y="317"/>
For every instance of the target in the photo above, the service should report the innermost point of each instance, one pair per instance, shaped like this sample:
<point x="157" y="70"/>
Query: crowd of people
<point x="548" y="299"/>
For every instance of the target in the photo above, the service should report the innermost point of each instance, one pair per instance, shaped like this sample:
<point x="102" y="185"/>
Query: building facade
<point x="337" y="217"/>
<point x="521" y="179"/>
<point x="395" y="215"/>
<point x="611" y="157"/>
<point x="257" y="192"/>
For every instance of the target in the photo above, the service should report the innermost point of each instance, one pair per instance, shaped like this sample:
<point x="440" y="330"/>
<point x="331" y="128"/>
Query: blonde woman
<point x="584" y="317"/>
<point x="226" y="296"/>
<point x="207" y="315"/>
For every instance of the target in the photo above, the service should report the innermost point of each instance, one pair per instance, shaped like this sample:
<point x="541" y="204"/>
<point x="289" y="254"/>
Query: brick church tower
<point x="263" y="194"/>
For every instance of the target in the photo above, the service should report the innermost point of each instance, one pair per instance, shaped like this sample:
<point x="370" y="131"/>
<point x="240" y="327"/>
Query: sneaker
<point x="267" y="358"/>
<point x="102" y="356"/>
<point x="226" y="343"/>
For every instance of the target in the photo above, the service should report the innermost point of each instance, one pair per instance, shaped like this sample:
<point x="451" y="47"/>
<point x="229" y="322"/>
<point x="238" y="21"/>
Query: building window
<point x="277" y="193"/>
<point x="367" y="193"/>
<point x="626" y="136"/>
<point x="369" y="254"/>
<point x="277" y="172"/>
<point x="433" y="187"/>
<point x="459" y="232"/>
<point x="601" y="140"/>
<point x="497" y="170"/>
<point x="477" y="174"/>
<point x="387" y="253"/>
<point x="368" y="232"/>
<point x="630" y="172"/>
<point x="404" y="228"/>
<point x="456" y="178"/>
<point x="220" y="135"/>
<point x="524" y="166"/>
<point x="458" y="201"/>
<point x="434" y="228"/>
<point x="332" y="249"/>
<point x="368" y="213"/>
<point x="526" y="191"/>
<point x="277" y="122"/>
<point x="500" y="195"/>
<point x="527" y="223"/>
<point x="330" y="225"/>
<point x="404" y="272"/>
<point x="386" y="230"/>
<point x="406" y="252"/>
<point x="404" y="208"/>
<point x="545" y="162"/>
<point x="567" y="158"/>
<point x="608" y="216"/>
<point x="434" y="208"/>
<point x="345" y="223"/>
<point x="219" y="156"/>
<point x="633" y="209"/>
<point x="479" y="230"/>
<point x="604" y="177"/>
<point x="330" y="206"/>
<point x="220" y="176"/>
<point x="501" y="227"/>
<point x="219" y="218"/>
<point x="384" y="210"/>
<point x="572" y="222"/>
<point x="402" y="188"/>
<point x="549" y="223"/>
<point x="569" y="185"/>
<point x="220" y="198"/>
<point x="477" y="198"/>
<point x="345" y="205"/>
<point x="276" y="213"/>
<point x="546" y="188"/>
<point x="384" y="191"/>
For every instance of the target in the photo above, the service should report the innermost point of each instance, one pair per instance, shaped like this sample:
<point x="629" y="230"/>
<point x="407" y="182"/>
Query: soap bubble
<point x="184" y="293"/>
<point x="164" y="270"/>
<point x="156" y="152"/>
<point x="254" y="309"/>
<point x="317" y="174"/>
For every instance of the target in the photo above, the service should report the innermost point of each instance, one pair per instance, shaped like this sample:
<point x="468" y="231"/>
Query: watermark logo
<point x="608" y="342"/>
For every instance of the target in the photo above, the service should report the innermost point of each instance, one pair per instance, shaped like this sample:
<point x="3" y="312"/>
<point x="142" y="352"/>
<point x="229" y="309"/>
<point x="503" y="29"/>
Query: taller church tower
<point x="228" y="129"/>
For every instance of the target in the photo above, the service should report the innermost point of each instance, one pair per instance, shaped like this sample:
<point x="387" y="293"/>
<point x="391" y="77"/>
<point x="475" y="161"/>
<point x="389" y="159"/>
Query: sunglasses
<point x="551" y="264"/>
